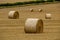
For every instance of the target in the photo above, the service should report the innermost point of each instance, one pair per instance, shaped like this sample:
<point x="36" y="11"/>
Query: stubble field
<point x="13" y="29"/>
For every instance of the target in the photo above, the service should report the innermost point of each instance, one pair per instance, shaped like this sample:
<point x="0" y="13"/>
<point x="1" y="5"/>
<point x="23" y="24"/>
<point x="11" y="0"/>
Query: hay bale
<point x="33" y="25"/>
<point x="48" y="16"/>
<point x="13" y="15"/>
<point x="40" y="10"/>
<point x="31" y="10"/>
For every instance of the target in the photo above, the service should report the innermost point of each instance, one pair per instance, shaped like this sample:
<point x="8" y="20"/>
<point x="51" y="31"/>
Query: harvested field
<point x="13" y="29"/>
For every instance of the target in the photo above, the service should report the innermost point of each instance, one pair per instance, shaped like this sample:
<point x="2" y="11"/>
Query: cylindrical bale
<point x="33" y="25"/>
<point x="48" y="16"/>
<point x="31" y="10"/>
<point x="13" y="15"/>
<point x="40" y="10"/>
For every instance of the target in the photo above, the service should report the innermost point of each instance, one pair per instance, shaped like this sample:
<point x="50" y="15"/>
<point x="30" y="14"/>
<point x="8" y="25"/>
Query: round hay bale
<point x="31" y="10"/>
<point x="40" y="10"/>
<point x="33" y="25"/>
<point x="13" y="15"/>
<point x="48" y="16"/>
